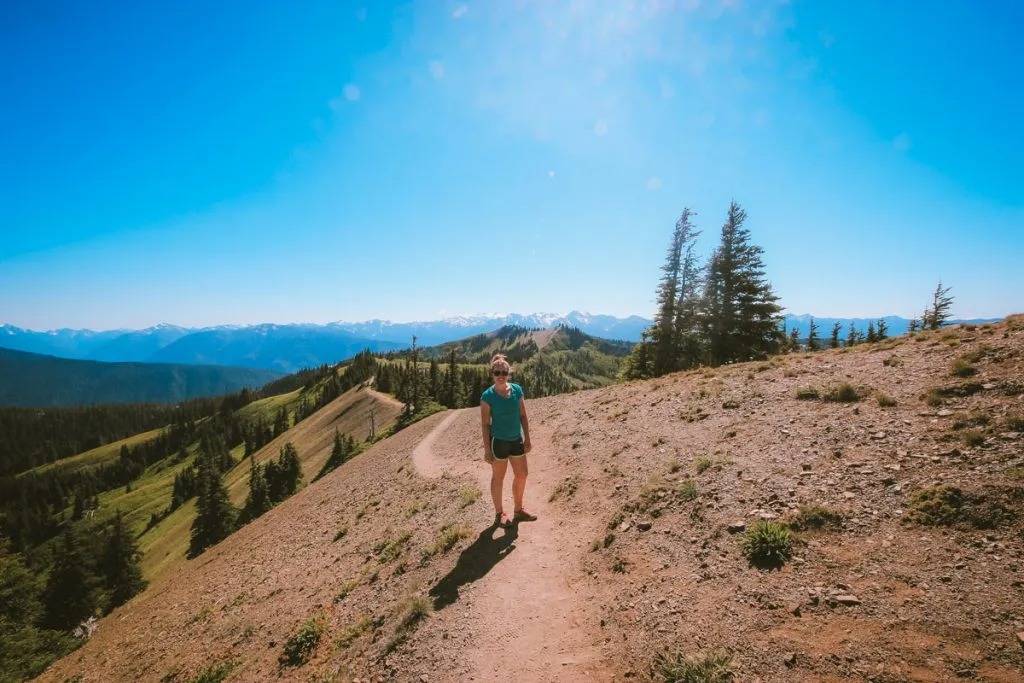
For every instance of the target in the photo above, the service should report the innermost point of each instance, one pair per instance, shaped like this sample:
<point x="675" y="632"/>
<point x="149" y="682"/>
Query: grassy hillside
<point x="890" y="474"/>
<point x="36" y="381"/>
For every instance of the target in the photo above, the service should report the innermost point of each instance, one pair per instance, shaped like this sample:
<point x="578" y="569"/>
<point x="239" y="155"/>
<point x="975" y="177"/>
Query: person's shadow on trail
<point x="474" y="562"/>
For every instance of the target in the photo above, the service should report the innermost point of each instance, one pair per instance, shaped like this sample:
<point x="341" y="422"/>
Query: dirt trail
<point x="525" y="619"/>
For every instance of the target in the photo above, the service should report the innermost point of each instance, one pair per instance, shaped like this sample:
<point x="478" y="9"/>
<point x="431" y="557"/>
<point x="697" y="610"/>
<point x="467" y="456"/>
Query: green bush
<point x="299" y="648"/>
<point x="962" y="368"/>
<point x="703" y="464"/>
<point x="950" y="506"/>
<point x="768" y="544"/>
<point x="808" y="394"/>
<point x="468" y="496"/>
<point x="674" y="667"/>
<point x="843" y="393"/>
<point x="686" y="491"/>
<point x="886" y="401"/>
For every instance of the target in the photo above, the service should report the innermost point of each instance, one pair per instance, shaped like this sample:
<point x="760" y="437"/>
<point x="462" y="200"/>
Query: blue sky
<point x="214" y="163"/>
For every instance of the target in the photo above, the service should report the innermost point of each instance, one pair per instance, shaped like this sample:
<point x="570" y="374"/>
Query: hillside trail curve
<point x="527" y="619"/>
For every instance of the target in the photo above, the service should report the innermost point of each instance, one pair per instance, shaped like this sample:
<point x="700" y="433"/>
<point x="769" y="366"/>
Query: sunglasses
<point x="500" y="373"/>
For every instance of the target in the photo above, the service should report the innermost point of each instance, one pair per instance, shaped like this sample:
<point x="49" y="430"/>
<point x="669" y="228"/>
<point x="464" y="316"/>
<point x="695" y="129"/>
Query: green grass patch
<point x="299" y="648"/>
<point x="962" y="368"/>
<point x="414" y="508"/>
<point x="885" y="400"/>
<point x="951" y="506"/>
<point x="389" y="550"/>
<point x="686" y="491"/>
<point x="842" y="393"/>
<point x="675" y="667"/>
<point x="468" y="495"/>
<point x="446" y="539"/>
<point x="352" y="632"/>
<point x="346" y="588"/>
<point x="703" y="464"/>
<point x="215" y="673"/>
<point x="341" y="533"/>
<point x="808" y="394"/>
<point x="768" y="544"/>
<point x="1015" y="422"/>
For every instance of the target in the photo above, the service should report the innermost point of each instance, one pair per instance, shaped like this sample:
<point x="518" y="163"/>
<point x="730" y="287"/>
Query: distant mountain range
<point x="288" y="348"/>
<point x="31" y="380"/>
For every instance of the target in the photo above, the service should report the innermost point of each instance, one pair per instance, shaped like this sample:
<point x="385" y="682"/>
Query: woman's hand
<point x="488" y="458"/>
<point x="527" y="447"/>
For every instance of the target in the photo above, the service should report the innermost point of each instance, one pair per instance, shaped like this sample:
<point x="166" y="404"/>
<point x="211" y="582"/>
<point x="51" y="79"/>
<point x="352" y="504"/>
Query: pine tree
<point x="793" y="342"/>
<point x="883" y="330"/>
<point x="852" y="335"/>
<point x="833" y="340"/>
<point x="913" y="325"/>
<point x="120" y="566"/>
<point x="639" y="364"/>
<point x="941" y="303"/>
<point x="664" y="331"/>
<point x="258" y="499"/>
<point x="812" y="336"/>
<point x="70" y="595"/>
<point x="741" y="316"/>
<point x="871" y="332"/>
<point x="215" y="516"/>
<point x="452" y="377"/>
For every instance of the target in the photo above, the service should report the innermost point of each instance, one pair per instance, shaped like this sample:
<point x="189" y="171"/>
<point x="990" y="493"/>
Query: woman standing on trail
<point x="506" y="432"/>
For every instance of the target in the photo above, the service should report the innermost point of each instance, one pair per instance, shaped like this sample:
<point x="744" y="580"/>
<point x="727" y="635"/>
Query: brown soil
<point x="621" y="565"/>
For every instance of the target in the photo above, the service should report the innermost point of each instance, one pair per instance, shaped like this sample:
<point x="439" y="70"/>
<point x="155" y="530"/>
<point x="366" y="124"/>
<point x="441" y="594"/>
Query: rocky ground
<point x="906" y="504"/>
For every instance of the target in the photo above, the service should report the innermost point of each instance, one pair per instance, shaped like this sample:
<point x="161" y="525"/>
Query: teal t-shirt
<point x="505" y="422"/>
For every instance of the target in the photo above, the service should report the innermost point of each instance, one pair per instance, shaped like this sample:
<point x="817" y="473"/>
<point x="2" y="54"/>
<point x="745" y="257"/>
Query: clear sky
<point x="204" y="163"/>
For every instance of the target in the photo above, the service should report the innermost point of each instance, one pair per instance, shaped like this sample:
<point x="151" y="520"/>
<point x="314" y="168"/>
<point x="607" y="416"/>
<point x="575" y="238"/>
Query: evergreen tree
<point x="938" y="314"/>
<point x="215" y="516"/>
<point x="70" y="595"/>
<point x="741" y="316"/>
<point x="639" y="364"/>
<point x="883" y="330"/>
<point x="452" y="377"/>
<point x="852" y="335"/>
<point x="913" y="325"/>
<point x="664" y="328"/>
<point x="258" y="499"/>
<point x="121" y="567"/>
<point x="812" y="336"/>
<point x="833" y="340"/>
<point x="871" y="332"/>
<point x="793" y="343"/>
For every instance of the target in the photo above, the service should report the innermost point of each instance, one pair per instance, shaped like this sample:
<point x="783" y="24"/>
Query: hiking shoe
<point x="524" y="516"/>
<point x="502" y="520"/>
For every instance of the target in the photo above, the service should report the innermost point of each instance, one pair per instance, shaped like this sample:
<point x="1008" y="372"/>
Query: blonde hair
<point x="499" y="361"/>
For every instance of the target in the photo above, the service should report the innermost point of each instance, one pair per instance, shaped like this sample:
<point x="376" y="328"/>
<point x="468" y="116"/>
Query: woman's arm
<point x="485" y="428"/>
<point x="525" y="420"/>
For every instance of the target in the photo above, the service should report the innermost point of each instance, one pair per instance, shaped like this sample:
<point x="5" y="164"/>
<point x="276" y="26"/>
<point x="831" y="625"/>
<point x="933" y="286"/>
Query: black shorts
<point x="502" y="449"/>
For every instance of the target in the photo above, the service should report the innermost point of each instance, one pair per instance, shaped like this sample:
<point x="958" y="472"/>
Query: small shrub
<point x="390" y="550"/>
<point x="345" y="589"/>
<point x="934" y="398"/>
<point x="674" y="465"/>
<point x="596" y="545"/>
<point x="446" y="540"/>
<point x="468" y="496"/>
<point x="215" y="673"/>
<point x="703" y="464"/>
<point x="686" y="491"/>
<point x="620" y="566"/>
<point x="972" y="438"/>
<point x="843" y="393"/>
<point x="768" y="544"/>
<point x="674" y="667"/>
<point x="1015" y="473"/>
<point x="341" y="533"/>
<point x="417" y="608"/>
<point x="975" y="419"/>
<point x="807" y="394"/>
<point x="349" y="635"/>
<point x="950" y="506"/>
<point x="566" y="488"/>
<point x="962" y="368"/>
<point x="299" y="648"/>
<point x="1015" y="422"/>
<point x="892" y="361"/>
<point x="415" y="508"/>
<point x="885" y="400"/>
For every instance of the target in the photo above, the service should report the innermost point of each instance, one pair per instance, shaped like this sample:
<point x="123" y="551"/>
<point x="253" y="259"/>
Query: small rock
<point x="643" y="526"/>
<point x="736" y="527"/>
<point x="790" y="659"/>
<point x="878" y="435"/>
<point x="625" y="526"/>
<point x="794" y="609"/>
<point x="1020" y="638"/>
<point x="846" y="599"/>
<point x="944" y="412"/>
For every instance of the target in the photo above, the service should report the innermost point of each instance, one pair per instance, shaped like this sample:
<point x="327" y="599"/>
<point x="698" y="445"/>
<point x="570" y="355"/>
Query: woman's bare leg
<point x="519" y="474"/>
<point x="498" y="469"/>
